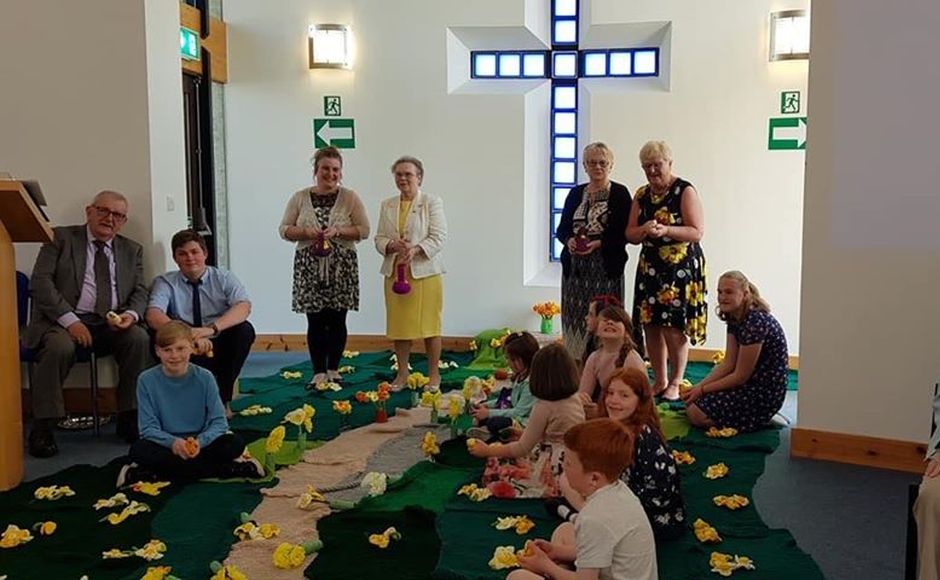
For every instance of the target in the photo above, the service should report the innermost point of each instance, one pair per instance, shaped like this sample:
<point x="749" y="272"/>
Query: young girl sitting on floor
<point x="596" y="304"/>
<point x="615" y="350"/>
<point x="513" y="403"/>
<point x="531" y="466"/>
<point x="183" y="432"/>
<point x="652" y="476"/>
<point x="612" y="537"/>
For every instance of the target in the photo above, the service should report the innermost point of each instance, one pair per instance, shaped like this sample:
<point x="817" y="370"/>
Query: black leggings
<point x="326" y="338"/>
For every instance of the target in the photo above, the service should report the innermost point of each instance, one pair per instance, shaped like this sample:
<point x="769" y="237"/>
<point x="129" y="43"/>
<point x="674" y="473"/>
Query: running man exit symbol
<point x="332" y="106"/>
<point x="789" y="102"/>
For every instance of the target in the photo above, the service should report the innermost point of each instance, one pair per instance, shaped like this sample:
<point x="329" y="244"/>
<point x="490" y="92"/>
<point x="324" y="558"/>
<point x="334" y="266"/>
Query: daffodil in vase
<point x="547" y="311"/>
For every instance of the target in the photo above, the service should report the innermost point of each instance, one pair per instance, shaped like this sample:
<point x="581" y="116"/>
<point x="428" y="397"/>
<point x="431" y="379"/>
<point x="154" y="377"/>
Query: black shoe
<point x="127" y="426"/>
<point x="42" y="443"/>
<point x="241" y="470"/>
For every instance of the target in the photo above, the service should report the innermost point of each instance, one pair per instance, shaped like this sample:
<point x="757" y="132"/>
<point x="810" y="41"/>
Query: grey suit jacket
<point x="56" y="283"/>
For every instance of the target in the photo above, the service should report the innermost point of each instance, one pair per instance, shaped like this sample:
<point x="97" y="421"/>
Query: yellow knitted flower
<point x="345" y="370"/>
<point x="113" y="501"/>
<point x="157" y="573"/>
<point x="152" y="550"/>
<point x="253" y="410"/>
<point x="115" y="554"/>
<point x="13" y="536"/>
<point x="309" y="412"/>
<point x="275" y="439"/>
<point x="229" y="572"/>
<point x="149" y="488"/>
<point x="455" y="408"/>
<point x="472" y="345"/>
<point x="47" y="528"/>
<point x="471" y="441"/>
<point x="350" y="353"/>
<point x="269" y="531"/>
<point x="382" y="540"/>
<point x="725" y="432"/>
<point x="310" y="497"/>
<point x="417" y="380"/>
<point x="716" y="471"/>
<point x="504" y="557"/>
<point x="724" y="565"/>
<point x="431" y="399"/>
<point x="683" y="457"/>
<point x="295" y="417"/>
<point x="342" y="407"/>
<point x="53" y="492"/>
<point x="132" y="509"/>
<point x="475" y="492"/>
<point x="732" y="502"/>
<point x="288" y="556"/>
<point x="429" y="445"/>
<point x="718" y="357"/>
<point x="290" y="375"/>
<point x="705" y="532"/>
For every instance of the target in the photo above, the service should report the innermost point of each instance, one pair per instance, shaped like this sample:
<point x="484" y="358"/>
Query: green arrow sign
<point x="339" y="133"/>
<point x="189" y="44"/>
<point x="789" y="127"/>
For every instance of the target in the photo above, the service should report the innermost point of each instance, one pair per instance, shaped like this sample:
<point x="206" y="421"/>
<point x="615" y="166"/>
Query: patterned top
<point x="760" y="327"/>
<point x="654" y="479"/>
<point x="750" y="406"/>
<point x="591" y="215"/>
<point x="670" y="276"/>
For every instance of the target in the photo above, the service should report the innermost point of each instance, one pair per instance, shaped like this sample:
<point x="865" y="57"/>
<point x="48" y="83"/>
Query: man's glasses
<point x="104" y="212"/>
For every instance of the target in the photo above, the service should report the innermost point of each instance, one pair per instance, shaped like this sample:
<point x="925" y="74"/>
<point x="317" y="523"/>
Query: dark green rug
<point x="195" y="522"/>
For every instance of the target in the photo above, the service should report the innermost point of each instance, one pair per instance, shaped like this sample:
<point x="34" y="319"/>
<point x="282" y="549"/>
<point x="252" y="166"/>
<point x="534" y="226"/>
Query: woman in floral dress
<point x="669" y="294"/>
<point x="748" y="387"/>
<point x="327" y="221"/>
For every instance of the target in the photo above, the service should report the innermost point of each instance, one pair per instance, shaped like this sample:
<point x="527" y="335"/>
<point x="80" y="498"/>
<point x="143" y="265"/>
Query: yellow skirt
<point x="416" y="314"/>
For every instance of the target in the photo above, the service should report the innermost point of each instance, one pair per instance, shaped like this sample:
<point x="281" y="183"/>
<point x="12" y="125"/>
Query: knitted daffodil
<point x="732" y="502"/>
<point x="253" y="410"/>
<point x="229" y="572"/>
<point x="718" y="357"/>
<point x="113" y="501"/>
<point x="310" y="497"/>
<point x="149" y="488"/>
<point x="429" y="445"/>
<point x="522" y="524"/>
<point x="45" y="528"/>
<point x="376" y="483"/>
<point x="417" y="381"/>
<point x="725" y="564"/>
<point x="725" y="432"/>
<point x="291" y="375"/>
<point x="350" y="353"/>
<point x="345" y="370"/>
<point x="382" y="540"/>
<point x="53" y="492"/>
<point x="683" y="457"/>
<point x="158" y="573"/>
<point x="288" y="556"/>
<point x="131" y="509"/>
<point x="275" y="439"/>
<point x="342" y="407"/>
<point x="704" y="532"/>
<point x="504" y="557"/>
<point x="716" y="471"/>
<point x="475" y="492"/>
<point x="13" y="536"/>
<point x="152" y="550"/>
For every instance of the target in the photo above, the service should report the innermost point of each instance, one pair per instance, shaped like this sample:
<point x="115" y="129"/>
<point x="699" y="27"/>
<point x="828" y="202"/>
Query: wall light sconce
<point x="789" y="35"/>
<point x="330" y="46"/>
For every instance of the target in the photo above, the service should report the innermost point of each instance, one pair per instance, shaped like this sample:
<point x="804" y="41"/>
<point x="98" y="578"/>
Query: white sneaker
<point x="126" y="470"/>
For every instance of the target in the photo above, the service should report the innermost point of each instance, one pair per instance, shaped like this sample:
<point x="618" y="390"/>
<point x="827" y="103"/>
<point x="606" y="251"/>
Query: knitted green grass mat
<point x="465" y="537"/>
<point x="194" y="521"/>
<point x="284" y="395"/>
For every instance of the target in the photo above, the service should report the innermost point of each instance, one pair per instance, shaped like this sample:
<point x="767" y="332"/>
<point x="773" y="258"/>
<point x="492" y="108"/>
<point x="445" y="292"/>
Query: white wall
<point x="479" y="148"/>
<point x="871" y="265"/>
<point x="91" y="100"/>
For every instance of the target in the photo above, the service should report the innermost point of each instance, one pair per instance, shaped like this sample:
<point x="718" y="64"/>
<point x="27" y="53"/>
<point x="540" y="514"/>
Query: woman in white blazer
<point x="410" y="235"/>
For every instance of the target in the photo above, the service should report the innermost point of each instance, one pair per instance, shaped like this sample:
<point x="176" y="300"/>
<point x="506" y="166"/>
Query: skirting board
<point x="858" y="450"/>
<point x="374" y="342"/>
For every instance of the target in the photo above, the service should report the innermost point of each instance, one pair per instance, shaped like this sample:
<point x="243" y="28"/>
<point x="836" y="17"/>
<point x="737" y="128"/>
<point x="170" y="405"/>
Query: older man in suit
<point x="87" y="290"/>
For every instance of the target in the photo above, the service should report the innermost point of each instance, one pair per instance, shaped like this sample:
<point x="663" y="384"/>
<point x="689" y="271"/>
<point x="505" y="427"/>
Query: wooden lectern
<point x="20" y="221"/>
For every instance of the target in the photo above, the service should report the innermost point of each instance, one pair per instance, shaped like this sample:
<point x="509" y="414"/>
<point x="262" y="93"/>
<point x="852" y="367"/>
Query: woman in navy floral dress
<point x="749" y="386"/>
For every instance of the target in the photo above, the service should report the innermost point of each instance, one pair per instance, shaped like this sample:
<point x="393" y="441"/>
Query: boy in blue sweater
<point x="183" y="432"/>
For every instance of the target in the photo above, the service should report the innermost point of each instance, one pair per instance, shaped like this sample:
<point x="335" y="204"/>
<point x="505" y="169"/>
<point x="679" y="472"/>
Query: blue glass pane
<point x="621" y="63"/>
<point x="566" y="7"/>
<point x="566" y="32"/>
<point x="566" y="97"/>
<point x="565" y="123"/>
<point x="556" y="248"/>
<point x="533" y="65"/>
<point x="565" y="148"/>
<point x="509" y="65"/>
<point x="558" y="197"/>
<point x="564" y="172"/>
<point x="595" y="64"/>
<point x="566" y="65"/>
<point x="484" y="65"/>
<point x="556" y="219"/>
<point x="644" y="62"/>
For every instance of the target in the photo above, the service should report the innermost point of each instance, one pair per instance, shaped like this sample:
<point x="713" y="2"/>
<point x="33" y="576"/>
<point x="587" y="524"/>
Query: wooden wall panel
<point x="216" y="44"/>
